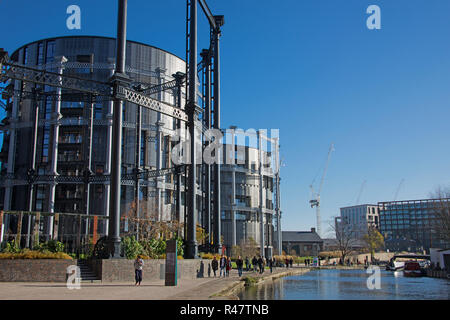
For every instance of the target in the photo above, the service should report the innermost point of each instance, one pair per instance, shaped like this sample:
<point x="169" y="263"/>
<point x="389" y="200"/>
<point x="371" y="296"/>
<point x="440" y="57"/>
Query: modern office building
<point x="360" y="218"/>
<point x="410" y="225"/>
<point x="61" y="136"/>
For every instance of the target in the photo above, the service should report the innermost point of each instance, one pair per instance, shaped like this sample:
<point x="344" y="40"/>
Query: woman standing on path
<point x="138" y="263"/>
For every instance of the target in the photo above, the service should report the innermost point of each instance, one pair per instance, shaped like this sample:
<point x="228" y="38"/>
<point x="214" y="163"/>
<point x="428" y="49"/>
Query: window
<point x="98" y="110"/>
<point x="168" y="197"/>
<point x="72" y="104"/>
<point x="99" y="169"/>
<point x="25" y="55"/>
<point x="50" y="56"/>
<point x="40" y="53"/>
<point x="85" y="59"/>
<point x="143" y="149"/>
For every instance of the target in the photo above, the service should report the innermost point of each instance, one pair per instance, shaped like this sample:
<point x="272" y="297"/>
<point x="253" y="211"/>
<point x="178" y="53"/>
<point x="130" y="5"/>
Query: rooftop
<point x="301" y="236"/>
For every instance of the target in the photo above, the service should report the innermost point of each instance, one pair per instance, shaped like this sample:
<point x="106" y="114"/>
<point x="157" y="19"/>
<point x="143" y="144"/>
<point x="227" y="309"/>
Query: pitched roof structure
<point x="301" y="236"/>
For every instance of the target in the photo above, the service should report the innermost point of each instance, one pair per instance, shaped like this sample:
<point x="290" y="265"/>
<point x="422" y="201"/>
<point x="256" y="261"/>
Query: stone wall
<point x="34" y="270"/>
<point x="381" y="256"/>
<point x="153" y="269"/>
<point x="108" y="270"/>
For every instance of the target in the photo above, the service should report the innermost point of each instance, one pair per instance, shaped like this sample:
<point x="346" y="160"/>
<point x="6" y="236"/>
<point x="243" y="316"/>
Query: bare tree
<point x="374" y="240"/>
<point x="145" y="225"/>
<point x="346" y="237"/>
<point x="441" y="210"/>
<point x="248" y="248"/>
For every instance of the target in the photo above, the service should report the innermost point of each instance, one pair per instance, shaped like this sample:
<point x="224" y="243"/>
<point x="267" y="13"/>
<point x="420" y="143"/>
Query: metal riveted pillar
<point x="54" y="162"/>
<point x="88" y="155"/>
<point x="217" y="207"/>
<point x="109" y="119"/>
<point x="233" y="189"/>
<point x="192" y="110"/>
<point x="33" y="166"/>
<point x="116" y="161"/>
<point x="207" y="117"/>
<point x="277" y="199"/>
<point x="11" y="152"/>
<point x="179" y="76"/>
<point x="137" y="187"/>
<point x="261" y="184"/>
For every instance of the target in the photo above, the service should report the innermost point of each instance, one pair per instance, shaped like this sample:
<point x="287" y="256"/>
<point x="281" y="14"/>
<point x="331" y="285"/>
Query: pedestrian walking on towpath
<point x="247" y="262"/>
<point x="223" y="265"/>
<point x="260" y="264"/>
<point x="138" y="264"/>
<point x="214" y="265"/>
<point x="254" y="263"/>
<point x="239" y="264"/>
<point x="270" y="265"/>
<point x="228" y="266"/>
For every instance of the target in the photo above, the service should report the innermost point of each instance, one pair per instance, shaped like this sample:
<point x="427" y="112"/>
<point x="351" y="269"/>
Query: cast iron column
<point x="191" y="241"/>
<point x="179" y="76"/>
<point x="116" y="161"/>
<point x="54" y="162"/>
<point x="109" y="118"/>
<point x="11" y="152"/>
<point x="216" y="70"/>
<point x="138" y="166"/>
<point x="261" y="184"/>
<point x="233" y="189"/>
<point x="277" y="199"/>
<point x="33" y="165"/>
<point x="207" y="117"/>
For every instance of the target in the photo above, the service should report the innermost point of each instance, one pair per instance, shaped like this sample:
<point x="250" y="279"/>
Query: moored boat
<point x="414" y="269"/>
<point x="395" y="265"/>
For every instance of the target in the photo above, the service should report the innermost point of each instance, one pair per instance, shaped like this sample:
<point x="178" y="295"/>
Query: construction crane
<point x="398" y="189"/>
<point x="360" y="192"/>
<point x="315" y="202"/>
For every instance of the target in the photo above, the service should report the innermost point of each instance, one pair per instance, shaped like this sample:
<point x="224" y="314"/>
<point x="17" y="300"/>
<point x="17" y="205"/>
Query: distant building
<point x="302" y="243"/>
<point x="360" y="218"/>
<point x="411" y="225"/>
<point x="332" y="245"/>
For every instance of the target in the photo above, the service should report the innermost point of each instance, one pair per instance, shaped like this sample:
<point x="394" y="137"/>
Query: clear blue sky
<point x="312" y="69"/>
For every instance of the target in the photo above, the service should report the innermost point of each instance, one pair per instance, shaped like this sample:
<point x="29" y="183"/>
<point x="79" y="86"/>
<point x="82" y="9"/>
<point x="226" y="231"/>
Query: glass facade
<point x="410" y="225"/>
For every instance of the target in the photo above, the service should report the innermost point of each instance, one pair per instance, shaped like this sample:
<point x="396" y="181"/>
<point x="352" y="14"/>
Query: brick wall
<point x="34" y="270"/>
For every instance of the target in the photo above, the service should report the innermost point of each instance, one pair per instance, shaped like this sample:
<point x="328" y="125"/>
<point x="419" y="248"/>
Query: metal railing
<point x="78" y="232"/>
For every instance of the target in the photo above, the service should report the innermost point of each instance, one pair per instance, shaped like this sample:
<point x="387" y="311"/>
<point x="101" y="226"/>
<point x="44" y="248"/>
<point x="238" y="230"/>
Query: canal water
<point x="333" y="284"/>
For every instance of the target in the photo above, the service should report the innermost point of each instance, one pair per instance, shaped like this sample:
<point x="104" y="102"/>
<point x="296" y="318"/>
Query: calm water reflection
<point x="348" y="285"/>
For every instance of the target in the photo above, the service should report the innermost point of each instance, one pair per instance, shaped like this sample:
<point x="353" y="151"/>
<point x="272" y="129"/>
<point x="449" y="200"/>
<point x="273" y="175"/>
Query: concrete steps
<point x="87" y="275"/>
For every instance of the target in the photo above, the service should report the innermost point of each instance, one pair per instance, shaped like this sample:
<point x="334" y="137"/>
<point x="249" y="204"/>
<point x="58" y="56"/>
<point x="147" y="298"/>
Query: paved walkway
<point x="187" y="289"/>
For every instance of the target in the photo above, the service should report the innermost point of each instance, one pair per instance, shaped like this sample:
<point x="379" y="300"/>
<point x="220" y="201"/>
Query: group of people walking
<point x="225" y="266"/>
<point x="256" y="264"/>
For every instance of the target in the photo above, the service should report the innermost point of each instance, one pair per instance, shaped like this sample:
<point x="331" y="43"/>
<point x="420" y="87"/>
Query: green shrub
<point x="249" y="281"/>
<point x="32" y="254"/>
<point x="12" y="247"/>
<point x="50" y="246"/>
<point x="154" y="248"/>
<point x="131" y="247"/>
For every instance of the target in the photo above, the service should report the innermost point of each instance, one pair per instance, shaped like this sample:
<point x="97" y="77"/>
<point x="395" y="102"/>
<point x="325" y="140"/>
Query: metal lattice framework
<point x="120" y="90"/>
<point x="15" y="71"/>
